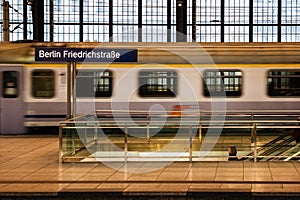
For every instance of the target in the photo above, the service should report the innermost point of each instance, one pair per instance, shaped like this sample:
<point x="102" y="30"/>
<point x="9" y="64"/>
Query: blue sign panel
<point x="85" y="55"/>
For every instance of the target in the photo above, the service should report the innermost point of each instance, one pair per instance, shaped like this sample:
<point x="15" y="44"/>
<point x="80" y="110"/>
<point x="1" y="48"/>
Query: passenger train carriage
<point x="252" y="77"/>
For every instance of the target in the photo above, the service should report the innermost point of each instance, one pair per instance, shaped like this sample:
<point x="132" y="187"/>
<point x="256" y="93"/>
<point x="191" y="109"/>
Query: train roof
<point x="238" y="53"/>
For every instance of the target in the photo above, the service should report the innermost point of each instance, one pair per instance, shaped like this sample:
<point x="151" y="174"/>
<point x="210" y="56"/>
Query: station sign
<point x="89" y="55"/>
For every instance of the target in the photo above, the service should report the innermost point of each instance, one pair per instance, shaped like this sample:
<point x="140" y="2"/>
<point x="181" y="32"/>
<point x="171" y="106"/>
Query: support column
<point x="25" y="19"/>
<point x="81" y="21"/>
<point x="5" y="7"/>
<point x="251" y="21"/>
<point x="110" y="20"/>
<point x="279" y="22"/>
<point x="38" y="20"/>
<point x="222" y="20"/>
<point x="140" y="20"/>
<point x="51" y="21"/>
<point x="169" y="19"/>
<point x="194" y="20"/>
<point x="181" y="20"/>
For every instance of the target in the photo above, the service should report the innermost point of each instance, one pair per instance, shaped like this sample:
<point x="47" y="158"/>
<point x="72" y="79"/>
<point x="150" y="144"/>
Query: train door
<point x="11" y="100"/>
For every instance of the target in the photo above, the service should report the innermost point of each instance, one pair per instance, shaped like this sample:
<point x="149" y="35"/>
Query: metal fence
<point x="139" y="135"/>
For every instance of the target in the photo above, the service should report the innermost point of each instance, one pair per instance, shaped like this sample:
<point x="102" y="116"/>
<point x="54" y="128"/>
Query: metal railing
<point x="82" y="132"/>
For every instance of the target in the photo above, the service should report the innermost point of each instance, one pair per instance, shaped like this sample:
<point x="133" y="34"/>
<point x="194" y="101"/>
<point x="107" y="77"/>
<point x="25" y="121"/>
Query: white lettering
<point x="41" y="53"/>
<point x="51" y="54"/>
<point x="81" y="54"/>
<point x="118" y="55"/>
<point x="65" y="53"/>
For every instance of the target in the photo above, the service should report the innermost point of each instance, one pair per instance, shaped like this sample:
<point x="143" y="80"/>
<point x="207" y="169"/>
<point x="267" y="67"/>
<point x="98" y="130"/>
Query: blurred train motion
<point x="253" y="77"/>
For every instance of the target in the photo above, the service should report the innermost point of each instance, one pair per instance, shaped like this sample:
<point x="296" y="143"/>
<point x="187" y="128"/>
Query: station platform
<point x="30" y="169"/>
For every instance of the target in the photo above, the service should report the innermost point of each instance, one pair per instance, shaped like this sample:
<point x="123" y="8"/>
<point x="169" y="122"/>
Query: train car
<point x="246" y="77"/>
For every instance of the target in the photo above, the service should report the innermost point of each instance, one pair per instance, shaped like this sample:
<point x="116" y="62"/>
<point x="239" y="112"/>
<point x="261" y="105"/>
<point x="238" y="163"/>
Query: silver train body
<point x="236" y="77"/>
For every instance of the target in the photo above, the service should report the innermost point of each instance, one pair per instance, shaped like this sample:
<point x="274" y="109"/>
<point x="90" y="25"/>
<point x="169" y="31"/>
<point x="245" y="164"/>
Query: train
<point x="254" y="77"/>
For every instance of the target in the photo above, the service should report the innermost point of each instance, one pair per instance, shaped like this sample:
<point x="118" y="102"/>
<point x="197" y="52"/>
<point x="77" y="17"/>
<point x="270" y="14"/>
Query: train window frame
<point x="105" y="81"/>
<point x="48" y="93"/>
<point x="285" y="91"/>
<point x="170" y="80"/>
<point x="235" y="82"/>
<point x="10" y="84"/>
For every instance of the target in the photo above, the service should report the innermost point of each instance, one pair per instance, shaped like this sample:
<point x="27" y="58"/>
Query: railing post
<point x="125" y="143"/>
<point x="96" y="134"/>
<point x="252" y="129"/>
<point x="73" y="142"/>
<point x="85" y="134"/>
<point x="60" y="153"/>
<point x="148" y="129"/>
<point x="191" y="144"/>
<point x="255" y="145"/>
<point x="200" y="129"/>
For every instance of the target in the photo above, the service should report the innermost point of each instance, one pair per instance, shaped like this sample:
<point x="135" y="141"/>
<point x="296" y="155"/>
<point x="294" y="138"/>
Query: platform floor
<point x="29" y="166"/>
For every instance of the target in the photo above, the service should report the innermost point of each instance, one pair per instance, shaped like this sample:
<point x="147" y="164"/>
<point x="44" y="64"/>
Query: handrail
<point x="207" y="111"/>
<point x="195" y="116"/>
<point x="202" y="120"/>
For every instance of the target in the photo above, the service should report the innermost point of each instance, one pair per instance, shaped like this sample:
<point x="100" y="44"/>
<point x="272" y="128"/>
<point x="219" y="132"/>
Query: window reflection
<point x="218" y="83"/>
<point x="43" y="83"/>
<point x="283" y="83"/>
<point x="158" y="83"/>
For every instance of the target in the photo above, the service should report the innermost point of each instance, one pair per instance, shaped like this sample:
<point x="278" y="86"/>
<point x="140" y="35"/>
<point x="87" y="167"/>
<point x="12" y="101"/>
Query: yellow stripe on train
<point x="149" y="65"/>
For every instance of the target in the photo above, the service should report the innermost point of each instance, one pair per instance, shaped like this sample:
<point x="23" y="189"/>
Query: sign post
<point x="71" y="90"/>
<point x="74" y="100"/>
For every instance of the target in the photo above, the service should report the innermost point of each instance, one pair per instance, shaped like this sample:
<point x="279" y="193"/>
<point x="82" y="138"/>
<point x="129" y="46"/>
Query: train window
<point x="10" y="84"/>
<point x="218" y="82"/>
<point x="43" y="83"/>
<point x="283" y="83"/>
<point x="160" y="83"/>
<point x="94" y="83"/>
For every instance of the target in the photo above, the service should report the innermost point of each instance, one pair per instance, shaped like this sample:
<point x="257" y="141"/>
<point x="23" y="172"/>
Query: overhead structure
<point x="155" y="21"/>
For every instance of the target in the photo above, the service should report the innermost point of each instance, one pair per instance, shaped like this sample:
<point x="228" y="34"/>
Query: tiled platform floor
<point x="30" y="164"/>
